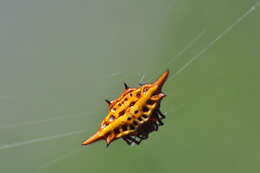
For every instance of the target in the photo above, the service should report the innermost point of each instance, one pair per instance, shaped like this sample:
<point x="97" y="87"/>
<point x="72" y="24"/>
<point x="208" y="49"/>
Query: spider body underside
<point x="146" y="130"/>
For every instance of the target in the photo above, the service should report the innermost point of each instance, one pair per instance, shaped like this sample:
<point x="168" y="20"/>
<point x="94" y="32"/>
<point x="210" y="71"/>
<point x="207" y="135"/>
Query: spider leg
<point x="142" y="136"/>
<point x="161" y="114"/>
<point x="160" y="122"/>
<point x="126" y="139"/>
<point x="133" y="139"/>
<point x="155" y="127"/>
<point x="158" y="119"/>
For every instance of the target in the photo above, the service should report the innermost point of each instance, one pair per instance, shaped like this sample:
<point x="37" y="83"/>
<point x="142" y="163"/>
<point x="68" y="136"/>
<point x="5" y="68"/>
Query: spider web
<point x="186" y="65"/>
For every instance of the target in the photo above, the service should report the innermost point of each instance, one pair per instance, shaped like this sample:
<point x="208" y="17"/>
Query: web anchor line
<point x="210" y="44"/>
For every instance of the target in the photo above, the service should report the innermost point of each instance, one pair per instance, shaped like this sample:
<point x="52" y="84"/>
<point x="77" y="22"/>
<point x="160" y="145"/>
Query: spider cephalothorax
<point x="133" y="115"/>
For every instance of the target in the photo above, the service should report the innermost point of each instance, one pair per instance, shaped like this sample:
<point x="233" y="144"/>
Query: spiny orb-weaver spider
<point x="133" y="115"/>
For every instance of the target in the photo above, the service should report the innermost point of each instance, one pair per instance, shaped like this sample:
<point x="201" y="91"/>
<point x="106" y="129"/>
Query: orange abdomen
<point x="133" y="115"/>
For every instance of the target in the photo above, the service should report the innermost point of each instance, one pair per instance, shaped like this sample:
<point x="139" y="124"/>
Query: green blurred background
<point x="59" y="60"/>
